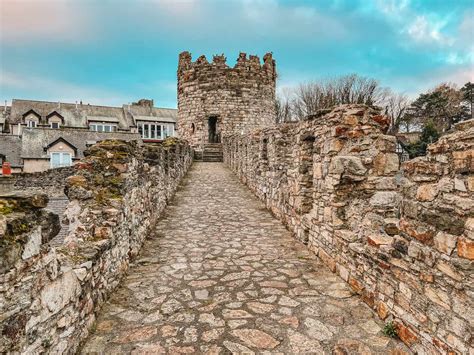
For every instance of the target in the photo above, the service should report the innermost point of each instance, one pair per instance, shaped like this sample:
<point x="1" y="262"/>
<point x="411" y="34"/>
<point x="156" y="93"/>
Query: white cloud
<point x="428" y="80"/>
<point x="393" y="7"/>
<point x="466" y="28"/>
<point x="58" y="90"/>
<point x="425" y="31"/>
<point x="181" y="8"/>
<point x="52" y="20"/>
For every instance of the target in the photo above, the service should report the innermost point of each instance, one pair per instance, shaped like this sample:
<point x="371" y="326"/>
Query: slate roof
<point x="102" y="119"/>
<point x="145" y="113"/>
<point x="73" y="117"/>
<point x="10" y="147"/>
<point x="79" y="115"/>
<point x="35" y="140"/>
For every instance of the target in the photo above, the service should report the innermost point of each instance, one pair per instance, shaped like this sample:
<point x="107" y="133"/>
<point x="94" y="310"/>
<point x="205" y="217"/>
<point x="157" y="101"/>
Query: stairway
<point x="212" y="152"/>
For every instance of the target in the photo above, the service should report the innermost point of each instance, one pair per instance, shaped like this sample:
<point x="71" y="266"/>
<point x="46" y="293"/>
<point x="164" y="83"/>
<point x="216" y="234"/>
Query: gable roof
<point x="55" y="113"/>
<point x="35" y="140"/>
<point x="61" y="139"/>
<point x="29" y="112"/>
<point x="79" y="115"/>
<point x="73" y="115"/>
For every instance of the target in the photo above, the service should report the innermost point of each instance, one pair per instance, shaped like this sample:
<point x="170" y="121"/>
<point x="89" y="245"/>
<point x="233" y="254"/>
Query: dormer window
<point x="102" y="127"/>
<point x="31" y="119"/>
<point x="155" y="130"/>
<point x="55" y="120"/>
<point x="61" y="153"/>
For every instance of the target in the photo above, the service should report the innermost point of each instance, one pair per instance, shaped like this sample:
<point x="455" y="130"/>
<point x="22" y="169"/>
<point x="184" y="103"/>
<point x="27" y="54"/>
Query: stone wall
<point x="241" y="98"/>
<point x="49" y="296"/>
<point x="402" y="238"/>
<point x="50" y="182"/>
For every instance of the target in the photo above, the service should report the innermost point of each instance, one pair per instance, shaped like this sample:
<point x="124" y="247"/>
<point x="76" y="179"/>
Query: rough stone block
<point x="378" y="240"/>
<point x="466" y="248"/>
<point x="445" y="242"/>
<point x="385" y="199"/>
<point x="427" y="192"/>
<point x="436" y="295"/>
<point x="386" y="163"/>
<point x="406" y="334"/>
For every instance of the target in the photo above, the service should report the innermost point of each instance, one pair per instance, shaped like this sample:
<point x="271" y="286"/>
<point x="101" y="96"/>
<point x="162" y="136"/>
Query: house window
<point x="60" y="159"/>
<point x="102" y="127"/>
<point x="31" y="124"/>
<point x="55" y="125"/>
<point x="156" y="130"/>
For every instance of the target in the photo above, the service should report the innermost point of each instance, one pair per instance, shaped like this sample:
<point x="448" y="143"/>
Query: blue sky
<point x="115" y="51"/>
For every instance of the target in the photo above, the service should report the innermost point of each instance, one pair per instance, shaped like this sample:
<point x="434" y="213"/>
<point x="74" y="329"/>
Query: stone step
<point x="212" y="160"/>
<point x="211" y="153"/>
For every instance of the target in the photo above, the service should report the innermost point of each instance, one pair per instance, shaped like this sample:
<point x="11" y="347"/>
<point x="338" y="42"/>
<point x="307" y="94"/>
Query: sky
<point x="111" y="52"/>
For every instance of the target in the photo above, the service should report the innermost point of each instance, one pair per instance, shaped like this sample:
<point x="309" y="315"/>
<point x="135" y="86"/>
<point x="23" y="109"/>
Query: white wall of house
<point x="35" y="165"/>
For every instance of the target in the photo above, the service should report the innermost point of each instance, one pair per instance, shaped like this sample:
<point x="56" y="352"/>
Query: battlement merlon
<point x="219" y="61"/>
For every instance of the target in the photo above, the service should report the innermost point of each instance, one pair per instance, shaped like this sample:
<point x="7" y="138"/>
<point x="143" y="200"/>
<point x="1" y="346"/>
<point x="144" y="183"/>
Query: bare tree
<point x="313" y="96"/>
<point x="396" y="105"/>
<point x="283" y="106"/>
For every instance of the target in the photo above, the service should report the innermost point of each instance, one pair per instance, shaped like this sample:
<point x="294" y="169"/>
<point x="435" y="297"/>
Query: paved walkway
<point x="222" y="275"/>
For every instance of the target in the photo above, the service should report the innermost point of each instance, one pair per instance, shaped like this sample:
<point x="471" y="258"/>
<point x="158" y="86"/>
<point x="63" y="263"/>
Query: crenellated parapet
<point x="240" y="98"/>
<point x="250" y="65"/>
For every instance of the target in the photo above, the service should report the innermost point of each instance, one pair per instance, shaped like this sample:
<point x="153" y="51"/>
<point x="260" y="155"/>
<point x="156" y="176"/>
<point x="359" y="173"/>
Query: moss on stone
<point x="103" y="195"/>
<point x="6" y="209"/>
<point x="170" y="142"/>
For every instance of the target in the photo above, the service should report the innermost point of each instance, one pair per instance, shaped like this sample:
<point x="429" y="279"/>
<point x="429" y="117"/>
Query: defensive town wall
<point x="241" y="98"/>
<point x="49" y="295"/>
<point x="51" y="182"/>
<point x="403" y="238"/>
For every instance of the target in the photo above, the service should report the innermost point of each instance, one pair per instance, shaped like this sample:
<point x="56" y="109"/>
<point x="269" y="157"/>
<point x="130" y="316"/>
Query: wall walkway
<point x="221" y="274"/>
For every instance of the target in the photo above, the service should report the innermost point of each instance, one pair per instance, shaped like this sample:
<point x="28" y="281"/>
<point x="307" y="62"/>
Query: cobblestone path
<point x="222" y="275"/>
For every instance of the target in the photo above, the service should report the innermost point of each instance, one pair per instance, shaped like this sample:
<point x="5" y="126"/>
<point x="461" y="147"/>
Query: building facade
<point x="215" y="99"/>
<point x="40" y="135"/>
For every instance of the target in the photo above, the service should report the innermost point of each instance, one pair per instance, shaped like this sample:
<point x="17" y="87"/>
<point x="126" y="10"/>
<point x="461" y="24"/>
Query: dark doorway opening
<point x="213" y="135"/>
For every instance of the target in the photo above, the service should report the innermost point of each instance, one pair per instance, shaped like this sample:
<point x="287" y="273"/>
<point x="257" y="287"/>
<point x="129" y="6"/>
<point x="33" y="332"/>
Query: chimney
<point x="129" y="107"/>
<point x="5" y="108"/>
<point x="76" y="105"/>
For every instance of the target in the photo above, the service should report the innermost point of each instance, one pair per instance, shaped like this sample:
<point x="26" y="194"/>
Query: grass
<point x="390" y="330"/>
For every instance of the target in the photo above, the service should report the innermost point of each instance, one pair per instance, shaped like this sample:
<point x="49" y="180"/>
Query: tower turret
<point x="215" y="99"/>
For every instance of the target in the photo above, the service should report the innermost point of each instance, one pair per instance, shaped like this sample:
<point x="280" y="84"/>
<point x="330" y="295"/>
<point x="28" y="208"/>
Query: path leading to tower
<point x="222" y="275"/>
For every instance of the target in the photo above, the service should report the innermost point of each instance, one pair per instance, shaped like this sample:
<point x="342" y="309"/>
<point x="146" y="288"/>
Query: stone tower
<point x="215" y="99"/>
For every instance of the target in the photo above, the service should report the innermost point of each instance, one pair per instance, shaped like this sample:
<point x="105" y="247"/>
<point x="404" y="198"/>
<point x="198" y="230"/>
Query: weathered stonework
<point x="241" y="98"/>
<point x="48" y="295"/>
<point x="51" y="182"/>
<point x="402" y="238"/>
